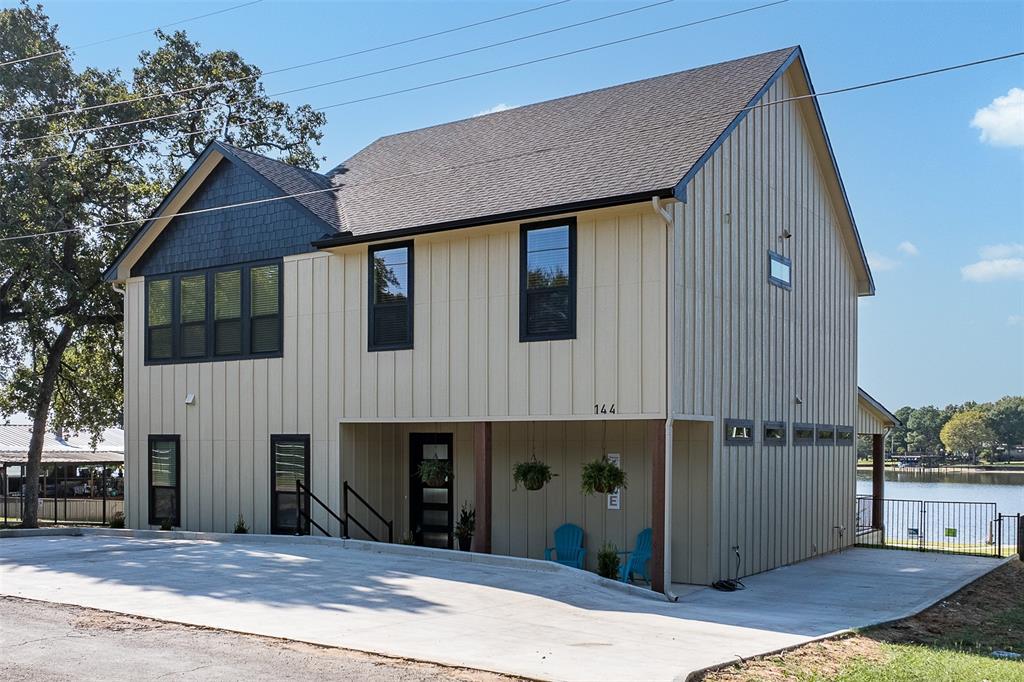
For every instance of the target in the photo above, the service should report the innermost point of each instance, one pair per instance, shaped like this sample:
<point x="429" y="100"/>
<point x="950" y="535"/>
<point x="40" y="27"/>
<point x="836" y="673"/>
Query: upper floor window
<point x="390" y="291"/>
<point x="547" y="281"/>
<point x="780" y="270"/>
<point x="222" y="314"/>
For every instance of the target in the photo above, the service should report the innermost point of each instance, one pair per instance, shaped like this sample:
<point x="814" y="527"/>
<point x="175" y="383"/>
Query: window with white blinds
<point x="222" y="314"/>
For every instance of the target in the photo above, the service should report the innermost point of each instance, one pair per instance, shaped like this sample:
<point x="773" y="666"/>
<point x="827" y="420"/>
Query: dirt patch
<point x="988" y="614"/>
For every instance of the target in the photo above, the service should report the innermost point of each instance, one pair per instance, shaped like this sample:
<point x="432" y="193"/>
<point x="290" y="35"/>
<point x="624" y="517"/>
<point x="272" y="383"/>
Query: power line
<point x="733" y="112"/>
<point x="454" y="79"/>
<point x="293" y="67"/>
<point x="126" y="35"/>
<point x="346" y="79"/>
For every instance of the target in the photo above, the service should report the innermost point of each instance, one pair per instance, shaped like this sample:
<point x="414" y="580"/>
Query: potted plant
<point x="608" y="562"/>
<point x="435" y="472"/>
<point x="602" y="476"/>
<point x="533" y="474"/>
<point x="240" y="527"/>
<point x="166" y="524"/>
<point x="466" y="526"/>
<point x="117" y="520"/>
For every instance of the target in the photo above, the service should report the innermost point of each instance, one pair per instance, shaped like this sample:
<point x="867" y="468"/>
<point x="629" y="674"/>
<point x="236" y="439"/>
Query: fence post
<point x="298" y="507"/>
<point x="344" y="508"/>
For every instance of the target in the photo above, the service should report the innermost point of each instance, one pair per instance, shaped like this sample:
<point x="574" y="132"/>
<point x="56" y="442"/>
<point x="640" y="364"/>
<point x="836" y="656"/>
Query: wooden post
<point x="877" y="480"/>
<point x="656" y="443"/>
<point x="482" y="463"/>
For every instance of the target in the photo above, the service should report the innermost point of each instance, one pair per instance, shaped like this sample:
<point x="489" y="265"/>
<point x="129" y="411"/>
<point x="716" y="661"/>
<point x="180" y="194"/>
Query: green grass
<point x="915" y="663"/>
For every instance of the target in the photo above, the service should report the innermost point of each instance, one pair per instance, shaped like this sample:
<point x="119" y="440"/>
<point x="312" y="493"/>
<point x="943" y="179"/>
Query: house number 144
<point x="604" y="409"/>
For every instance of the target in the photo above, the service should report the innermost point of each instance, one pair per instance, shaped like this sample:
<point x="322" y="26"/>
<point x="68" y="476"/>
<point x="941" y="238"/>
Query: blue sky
<point x="940" y="210"/>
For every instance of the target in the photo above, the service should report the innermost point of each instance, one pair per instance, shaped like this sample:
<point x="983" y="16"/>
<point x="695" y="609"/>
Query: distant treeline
<point x="969" y="431"/>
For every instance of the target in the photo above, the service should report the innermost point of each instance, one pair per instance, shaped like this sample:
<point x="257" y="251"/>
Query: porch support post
<point x="482" y="462"/>
<point x="877" y="480"/>
<point x="656" y="443"/>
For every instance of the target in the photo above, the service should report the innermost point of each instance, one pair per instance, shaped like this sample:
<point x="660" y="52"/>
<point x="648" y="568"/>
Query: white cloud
<point x="1015" y="320"/>
<point x="495" y="109"/>
<point x="881" y="263"/>
<point x="1002" y="122"/>
<point x="1001" y="251"/>
<point x="994" y="269"/>
<point x="907" y="248"/>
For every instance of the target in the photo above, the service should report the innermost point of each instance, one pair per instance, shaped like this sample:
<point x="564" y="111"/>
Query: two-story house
<point x="666" y="271"/>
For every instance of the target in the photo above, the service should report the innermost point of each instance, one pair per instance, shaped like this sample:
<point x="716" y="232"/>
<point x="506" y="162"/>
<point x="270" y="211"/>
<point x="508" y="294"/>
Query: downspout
<point x="666" y="217"/>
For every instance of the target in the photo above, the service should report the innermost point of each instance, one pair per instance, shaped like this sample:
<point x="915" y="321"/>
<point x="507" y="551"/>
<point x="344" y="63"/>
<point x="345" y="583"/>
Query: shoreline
<point x="994" y="469"/>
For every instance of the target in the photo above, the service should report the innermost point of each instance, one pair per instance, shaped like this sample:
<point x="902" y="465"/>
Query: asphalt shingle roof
<point x="627" y="139"/>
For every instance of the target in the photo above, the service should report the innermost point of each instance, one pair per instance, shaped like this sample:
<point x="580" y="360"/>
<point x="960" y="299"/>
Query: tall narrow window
<point x="164" y="479"/>
<point x="547" y="281"/>
<point x="390" y="291"/>
<point x="289" y="464"/>
<point x="192" y="316"/>
<point x="160" y="310"/>
<point x="265" y="309"/>
<point x="227" y="312"/>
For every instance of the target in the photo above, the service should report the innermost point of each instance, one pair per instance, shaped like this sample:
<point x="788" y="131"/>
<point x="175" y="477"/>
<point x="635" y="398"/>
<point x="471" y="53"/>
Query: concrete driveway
<point x="523" y="621"/>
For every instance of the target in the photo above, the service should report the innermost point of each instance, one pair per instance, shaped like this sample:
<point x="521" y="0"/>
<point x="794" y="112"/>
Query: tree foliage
<point x="968" y="432"/>
<point x="60" y="323"/>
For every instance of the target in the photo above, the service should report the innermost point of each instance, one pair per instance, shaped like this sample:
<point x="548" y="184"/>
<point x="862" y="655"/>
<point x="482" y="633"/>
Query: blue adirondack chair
<point x="568" y="549"/>
<point x="636" y="560"/>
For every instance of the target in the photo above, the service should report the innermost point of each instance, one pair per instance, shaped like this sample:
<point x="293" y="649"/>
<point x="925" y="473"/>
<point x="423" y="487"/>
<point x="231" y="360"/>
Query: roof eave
<point x="881" y="409"/>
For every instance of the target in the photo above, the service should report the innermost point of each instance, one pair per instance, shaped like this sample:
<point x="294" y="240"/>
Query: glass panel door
<point x="289" y="462"/>
<point x="430" y="508"/>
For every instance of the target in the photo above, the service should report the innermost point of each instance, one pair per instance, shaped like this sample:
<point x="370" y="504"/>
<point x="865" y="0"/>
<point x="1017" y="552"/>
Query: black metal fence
<point x="949" y="527"/>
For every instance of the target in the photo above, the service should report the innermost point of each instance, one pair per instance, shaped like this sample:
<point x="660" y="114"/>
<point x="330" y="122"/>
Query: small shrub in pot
<point x="608" y="562"/>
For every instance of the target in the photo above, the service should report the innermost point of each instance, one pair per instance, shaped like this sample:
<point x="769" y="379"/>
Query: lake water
<point x="1006" y="489"/>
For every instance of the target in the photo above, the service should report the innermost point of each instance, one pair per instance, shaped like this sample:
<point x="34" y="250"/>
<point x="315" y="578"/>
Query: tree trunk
<point x="30" y="484"/>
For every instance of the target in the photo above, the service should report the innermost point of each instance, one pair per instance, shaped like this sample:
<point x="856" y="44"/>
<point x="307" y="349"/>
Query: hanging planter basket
<point x="532" y="475"/>
<point x="602" y="476"/>
<point x="435" y="472"/>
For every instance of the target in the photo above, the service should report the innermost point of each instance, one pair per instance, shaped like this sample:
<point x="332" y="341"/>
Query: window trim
<point x="778" y="257"/>
<point x="773" y="443"/>
<point x="211" y="356"/>
<point x="276" y="438"/>
<point x="818" y="428"/>
<point x="175" y="522"/>
<point x="845" y="441"/>
<point x="804" y="426"/>
<point x="524" y="229"/>
<point x="410" y="303"/>
<point x="732" y="423"/>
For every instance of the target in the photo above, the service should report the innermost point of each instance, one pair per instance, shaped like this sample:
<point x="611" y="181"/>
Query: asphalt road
<point x="43" y="641"/>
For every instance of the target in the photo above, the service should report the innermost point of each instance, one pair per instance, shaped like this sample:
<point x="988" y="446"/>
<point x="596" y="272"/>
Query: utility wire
<point x="293" y="67"/>
<point x="346" y="79"/>
<point x="454" y="79"/>
<point x="735" y="112"/>
<point x="126" y="35"/>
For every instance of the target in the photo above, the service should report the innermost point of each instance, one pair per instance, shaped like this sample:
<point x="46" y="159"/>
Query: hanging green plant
<point x="602" y="476"/>
<point x="435" y="472"/>
<point x="533" y="474"/>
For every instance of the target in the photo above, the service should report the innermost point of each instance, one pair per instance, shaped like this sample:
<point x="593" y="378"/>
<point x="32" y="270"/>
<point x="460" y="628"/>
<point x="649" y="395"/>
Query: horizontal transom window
<point x="221" y="314"/>
<point x="739" y="432"/>
<point x="774" y="433"/>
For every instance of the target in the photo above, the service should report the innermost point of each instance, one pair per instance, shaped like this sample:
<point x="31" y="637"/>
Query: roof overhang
<point x="823" y="150"/>
<point x="866" y="402"/>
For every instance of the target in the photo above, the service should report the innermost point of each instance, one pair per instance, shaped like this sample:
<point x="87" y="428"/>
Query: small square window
<point x="844" y="435"/>
<point x="780" y="270"/>
<point x="803" y="434"/>
<point x="739" y="432"/>
<point x="826" y="434"/>
<point x="774" y="433"/>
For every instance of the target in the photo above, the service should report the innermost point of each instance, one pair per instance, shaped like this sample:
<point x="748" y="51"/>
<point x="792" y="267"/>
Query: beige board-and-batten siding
<point x="870" y="422"/>
<point x="375" y="459"/>
<point x="467" y="364"/>
<point x="747" y="349"/>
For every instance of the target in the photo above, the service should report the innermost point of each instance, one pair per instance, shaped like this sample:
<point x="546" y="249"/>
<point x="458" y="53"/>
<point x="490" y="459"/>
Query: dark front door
<point x="289" y="462"/>
<point x="430" y="502"/>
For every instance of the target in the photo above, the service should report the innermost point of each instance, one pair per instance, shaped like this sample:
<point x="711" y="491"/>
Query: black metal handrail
<point x="303" y="514"/>
<point x="346" y="489"/>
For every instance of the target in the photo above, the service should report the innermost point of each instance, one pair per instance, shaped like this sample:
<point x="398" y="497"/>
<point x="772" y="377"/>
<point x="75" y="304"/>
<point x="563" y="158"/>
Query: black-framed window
<point x="159" y="319"/>
<point x="547" y="280"/>
<point x="226" y="313"/>
<point x="390" y="296"/>
<point x="825" y="434"/>
<point x="739" y="432"/>
<point x="803" y="434"/>
<point x="780" y="270"/>
<point x="289" y="463"/>
<point x="773" y="433"/>
<point x="844" y="435"/>
<point x="164" y="479"/>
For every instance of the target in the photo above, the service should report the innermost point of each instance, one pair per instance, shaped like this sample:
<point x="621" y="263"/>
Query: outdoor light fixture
<point x="799" y="400"/>
<point x="786" y="234"/>
<point x="190" y="398"/>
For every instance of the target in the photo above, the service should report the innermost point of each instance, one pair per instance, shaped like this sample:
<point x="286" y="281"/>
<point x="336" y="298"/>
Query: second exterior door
<point x="431" y="508"/>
